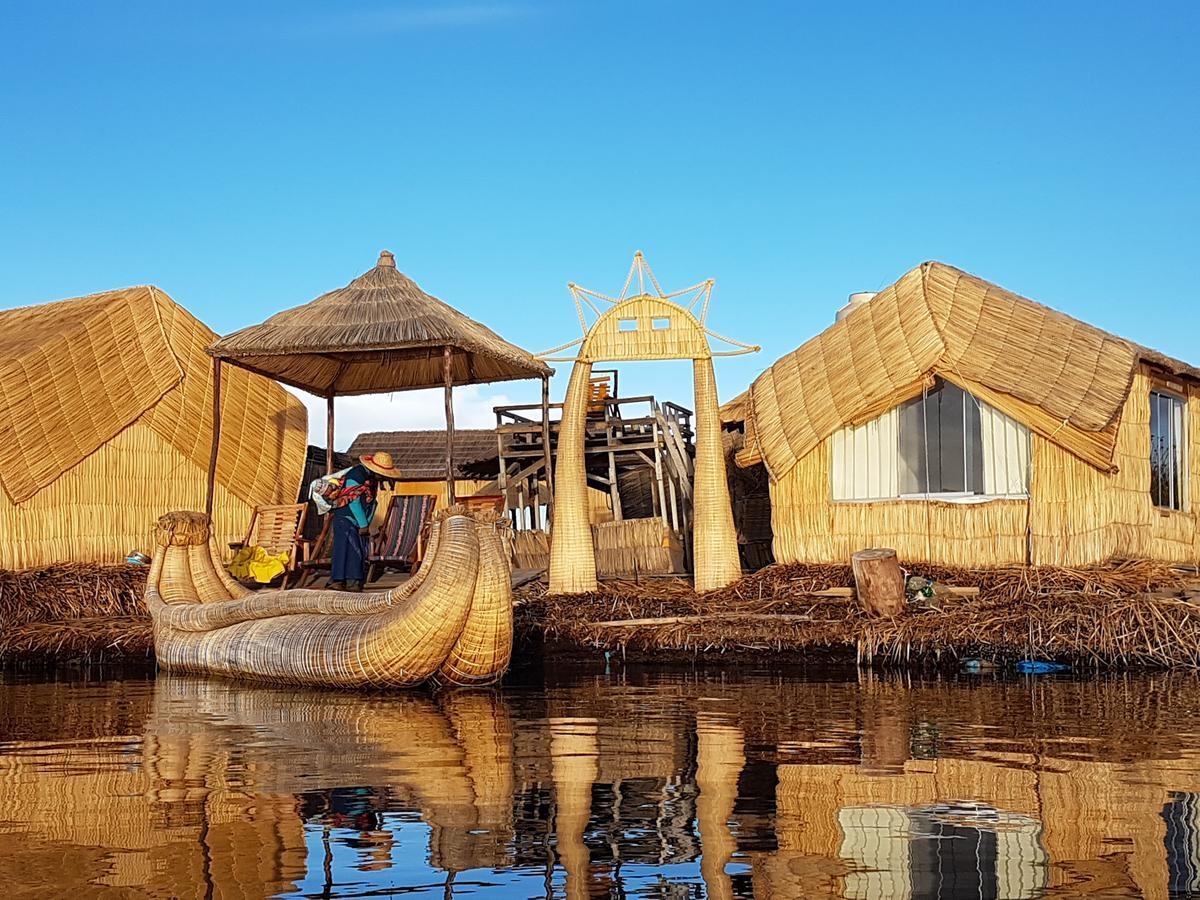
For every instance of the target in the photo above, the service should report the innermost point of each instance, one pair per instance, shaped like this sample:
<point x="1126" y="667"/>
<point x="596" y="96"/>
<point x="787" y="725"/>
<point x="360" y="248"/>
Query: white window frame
<point x="1178" y="400"/>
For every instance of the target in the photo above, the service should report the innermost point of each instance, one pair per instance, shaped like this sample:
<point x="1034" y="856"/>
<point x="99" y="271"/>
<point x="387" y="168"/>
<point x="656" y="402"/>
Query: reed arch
<point x="644" y="327"/>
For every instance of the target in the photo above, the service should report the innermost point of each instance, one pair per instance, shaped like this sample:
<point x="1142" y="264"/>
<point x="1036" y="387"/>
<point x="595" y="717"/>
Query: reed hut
<point x="963" y="424"/>
<point x="105" y="408"/>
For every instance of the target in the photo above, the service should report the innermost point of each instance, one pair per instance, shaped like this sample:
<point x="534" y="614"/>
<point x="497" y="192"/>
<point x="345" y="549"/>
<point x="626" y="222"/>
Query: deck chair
<point x="277" y="529"/>
<point x="400" y="543"/>
<point x="317" y="556"/>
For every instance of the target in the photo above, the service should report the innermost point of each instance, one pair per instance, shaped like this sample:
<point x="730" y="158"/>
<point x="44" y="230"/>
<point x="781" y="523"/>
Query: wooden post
<point x="546" y="455"/>
<point x="216" y="440"/>
<point x="613" y="487"/>
<point x="448" y="377"/>
<point x="658" y="470"/>
<point x="878" y="582"/>
<point x="329" y="463"/>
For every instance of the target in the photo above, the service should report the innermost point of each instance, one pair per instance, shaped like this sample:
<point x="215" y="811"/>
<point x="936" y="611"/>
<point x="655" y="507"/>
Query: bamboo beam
<point x="216" y="439"/>
<point x="448" y="377"/>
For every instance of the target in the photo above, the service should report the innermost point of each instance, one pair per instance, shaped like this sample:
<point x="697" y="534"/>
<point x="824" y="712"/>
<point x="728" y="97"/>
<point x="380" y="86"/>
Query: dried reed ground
<point x="74" y="613"/>
<point x="1098" y="616"/>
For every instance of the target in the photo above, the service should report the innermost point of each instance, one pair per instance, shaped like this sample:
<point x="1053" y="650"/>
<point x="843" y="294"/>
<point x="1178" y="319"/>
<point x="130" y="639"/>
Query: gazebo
<point x="379" y="334"/>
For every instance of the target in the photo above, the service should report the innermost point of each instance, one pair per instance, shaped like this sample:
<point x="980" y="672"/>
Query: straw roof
<point x="1063" y="378"/>
<point x="421" y="455"/>
<point x="379" y="333"/>
<point x="76" y="373"/>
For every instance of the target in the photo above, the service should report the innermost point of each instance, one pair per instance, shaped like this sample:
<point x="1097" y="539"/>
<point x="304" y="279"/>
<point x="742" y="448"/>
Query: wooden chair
<point x="317" y="556"/>
<point x="400" y="543"/>
<point x="277" y="529"/>
<point x="599" y="392"/>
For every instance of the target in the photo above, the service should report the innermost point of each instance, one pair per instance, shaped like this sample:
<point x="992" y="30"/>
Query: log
<point x="879" y="582"/>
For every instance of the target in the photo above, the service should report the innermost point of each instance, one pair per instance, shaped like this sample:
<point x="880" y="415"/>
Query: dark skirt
<point x="349" y="551"/>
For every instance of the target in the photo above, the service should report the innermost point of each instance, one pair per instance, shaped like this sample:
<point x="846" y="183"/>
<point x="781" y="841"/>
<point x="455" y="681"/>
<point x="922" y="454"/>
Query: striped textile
<point x="406" y="517"/>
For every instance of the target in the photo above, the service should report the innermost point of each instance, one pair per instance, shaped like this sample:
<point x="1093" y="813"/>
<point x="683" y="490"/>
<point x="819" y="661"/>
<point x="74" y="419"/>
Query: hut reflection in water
<point x="651" y="786"/>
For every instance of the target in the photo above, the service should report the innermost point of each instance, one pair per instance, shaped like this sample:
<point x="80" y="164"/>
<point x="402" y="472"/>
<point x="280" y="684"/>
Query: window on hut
<point x="945" y="444"/>
<point x="1168" y="472"/>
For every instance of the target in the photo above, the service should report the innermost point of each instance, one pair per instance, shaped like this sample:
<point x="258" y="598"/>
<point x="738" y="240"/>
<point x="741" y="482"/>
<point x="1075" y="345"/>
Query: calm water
<point x="644" y="783"/>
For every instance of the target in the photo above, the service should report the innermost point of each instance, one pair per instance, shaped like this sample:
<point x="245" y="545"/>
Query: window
<point x="661" y="324"/>
<point x="627" y="325"/>
<point x="941" y="449"/>
<point x="944" y="444"/>
<point x="1168" y="451"/>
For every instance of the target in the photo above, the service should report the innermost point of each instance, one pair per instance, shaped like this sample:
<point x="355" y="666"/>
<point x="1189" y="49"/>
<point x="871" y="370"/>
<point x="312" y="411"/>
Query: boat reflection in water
<point x="652" y="784"/>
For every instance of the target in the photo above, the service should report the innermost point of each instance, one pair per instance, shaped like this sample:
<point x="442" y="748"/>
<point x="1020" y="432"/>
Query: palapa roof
<point x="75" y="373"/>
<point x="1063" y="378"/>
<point x="377" y="334"/>
<point x="421" y="455"/>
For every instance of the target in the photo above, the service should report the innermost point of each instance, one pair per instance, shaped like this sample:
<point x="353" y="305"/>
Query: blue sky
<point x="246" y="157"/>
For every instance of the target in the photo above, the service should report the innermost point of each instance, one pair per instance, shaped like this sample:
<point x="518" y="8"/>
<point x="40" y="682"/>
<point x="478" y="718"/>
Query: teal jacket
<point x="357" y="509"/>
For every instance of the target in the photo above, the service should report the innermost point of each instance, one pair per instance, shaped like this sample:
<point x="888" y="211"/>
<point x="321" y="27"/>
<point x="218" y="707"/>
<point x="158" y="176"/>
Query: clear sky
<point x="246" y="157"/>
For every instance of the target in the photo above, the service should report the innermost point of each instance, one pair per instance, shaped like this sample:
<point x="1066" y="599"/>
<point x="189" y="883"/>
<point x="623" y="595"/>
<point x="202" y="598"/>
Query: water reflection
<point x="650" y="784"/>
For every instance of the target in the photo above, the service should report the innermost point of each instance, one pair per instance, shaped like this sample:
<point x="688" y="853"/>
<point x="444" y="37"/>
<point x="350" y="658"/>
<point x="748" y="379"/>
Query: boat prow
<point x="450" y="622"/>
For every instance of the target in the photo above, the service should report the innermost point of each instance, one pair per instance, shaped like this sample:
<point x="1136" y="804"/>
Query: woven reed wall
<point x="1076" y="515"/>
<point x="810" y="527"/>
<point x="636" y="546"/>
<point x="97" y="496"/>
<point x="107" y="505"/>
<point x="1080" y="515"/>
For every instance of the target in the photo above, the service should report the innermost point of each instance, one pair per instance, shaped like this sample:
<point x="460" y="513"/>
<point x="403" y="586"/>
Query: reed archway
<point x="639" y="328"/>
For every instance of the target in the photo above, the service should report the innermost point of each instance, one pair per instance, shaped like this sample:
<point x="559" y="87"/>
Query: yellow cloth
<point x="257" y="563"/>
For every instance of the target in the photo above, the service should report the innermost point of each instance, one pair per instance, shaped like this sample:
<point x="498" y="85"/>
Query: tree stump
<point x="878" y="582"/>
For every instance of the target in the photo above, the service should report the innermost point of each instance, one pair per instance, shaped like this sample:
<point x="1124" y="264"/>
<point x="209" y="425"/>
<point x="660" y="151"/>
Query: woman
<point x="352" y="512"/>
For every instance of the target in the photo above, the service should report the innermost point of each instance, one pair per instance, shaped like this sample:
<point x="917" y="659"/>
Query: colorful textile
<point x="258" y="564"/>
<point x="408" y="517"/>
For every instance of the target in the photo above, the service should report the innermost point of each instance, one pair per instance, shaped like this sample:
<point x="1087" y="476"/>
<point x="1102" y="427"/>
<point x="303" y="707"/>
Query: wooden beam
<point x="546" y="447"/>
<point x="329" y="460"/>
<point x="216" y="439"/>
<point x="448" y="378"/>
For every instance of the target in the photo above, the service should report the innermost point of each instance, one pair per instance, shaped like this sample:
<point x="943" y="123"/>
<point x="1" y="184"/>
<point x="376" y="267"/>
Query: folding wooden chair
<point x="317" y="555"/>
<point x="277" y="529"/>
<point x="400" y="543"/>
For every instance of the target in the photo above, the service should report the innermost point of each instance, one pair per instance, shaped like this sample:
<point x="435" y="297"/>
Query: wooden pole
<point x="216" y="439"/>
<point x="879" y="582"/>
<point x="546" y="455"/>
<point x="448" y="377"/>
<point x="329" y="435"/>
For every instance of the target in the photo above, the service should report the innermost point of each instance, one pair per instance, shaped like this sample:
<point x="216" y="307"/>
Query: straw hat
<point x="381" y="464"/>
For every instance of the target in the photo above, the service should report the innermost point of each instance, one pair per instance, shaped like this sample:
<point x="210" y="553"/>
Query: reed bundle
<point x="114" y="639"/>
<point x="1115" y="615"/>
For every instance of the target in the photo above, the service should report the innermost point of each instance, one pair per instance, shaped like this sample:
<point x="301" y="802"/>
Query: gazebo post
<point x="546" y="456"/>
<point x="448" y="377"/>
<point x="329" y="434"/>
<point x="216" y="438"/>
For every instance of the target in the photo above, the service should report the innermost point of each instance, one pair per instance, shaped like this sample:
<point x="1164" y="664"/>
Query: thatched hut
<point x="105" y="412"/>
<point x="963" y="424"/>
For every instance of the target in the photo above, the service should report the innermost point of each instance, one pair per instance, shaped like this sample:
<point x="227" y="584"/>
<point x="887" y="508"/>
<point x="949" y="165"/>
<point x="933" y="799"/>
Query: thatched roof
<point x="421" y="455"/>
<point x="75" y="373"/>
<point x="1063" y="378"/>
<point x="377" y="334"/>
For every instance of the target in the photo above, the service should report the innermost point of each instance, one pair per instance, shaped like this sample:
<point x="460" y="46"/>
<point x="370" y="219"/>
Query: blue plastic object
<point x="1038" y="667"/>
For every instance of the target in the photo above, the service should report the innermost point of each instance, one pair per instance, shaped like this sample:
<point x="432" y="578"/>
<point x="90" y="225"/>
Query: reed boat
<point x="451" y="622"/>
